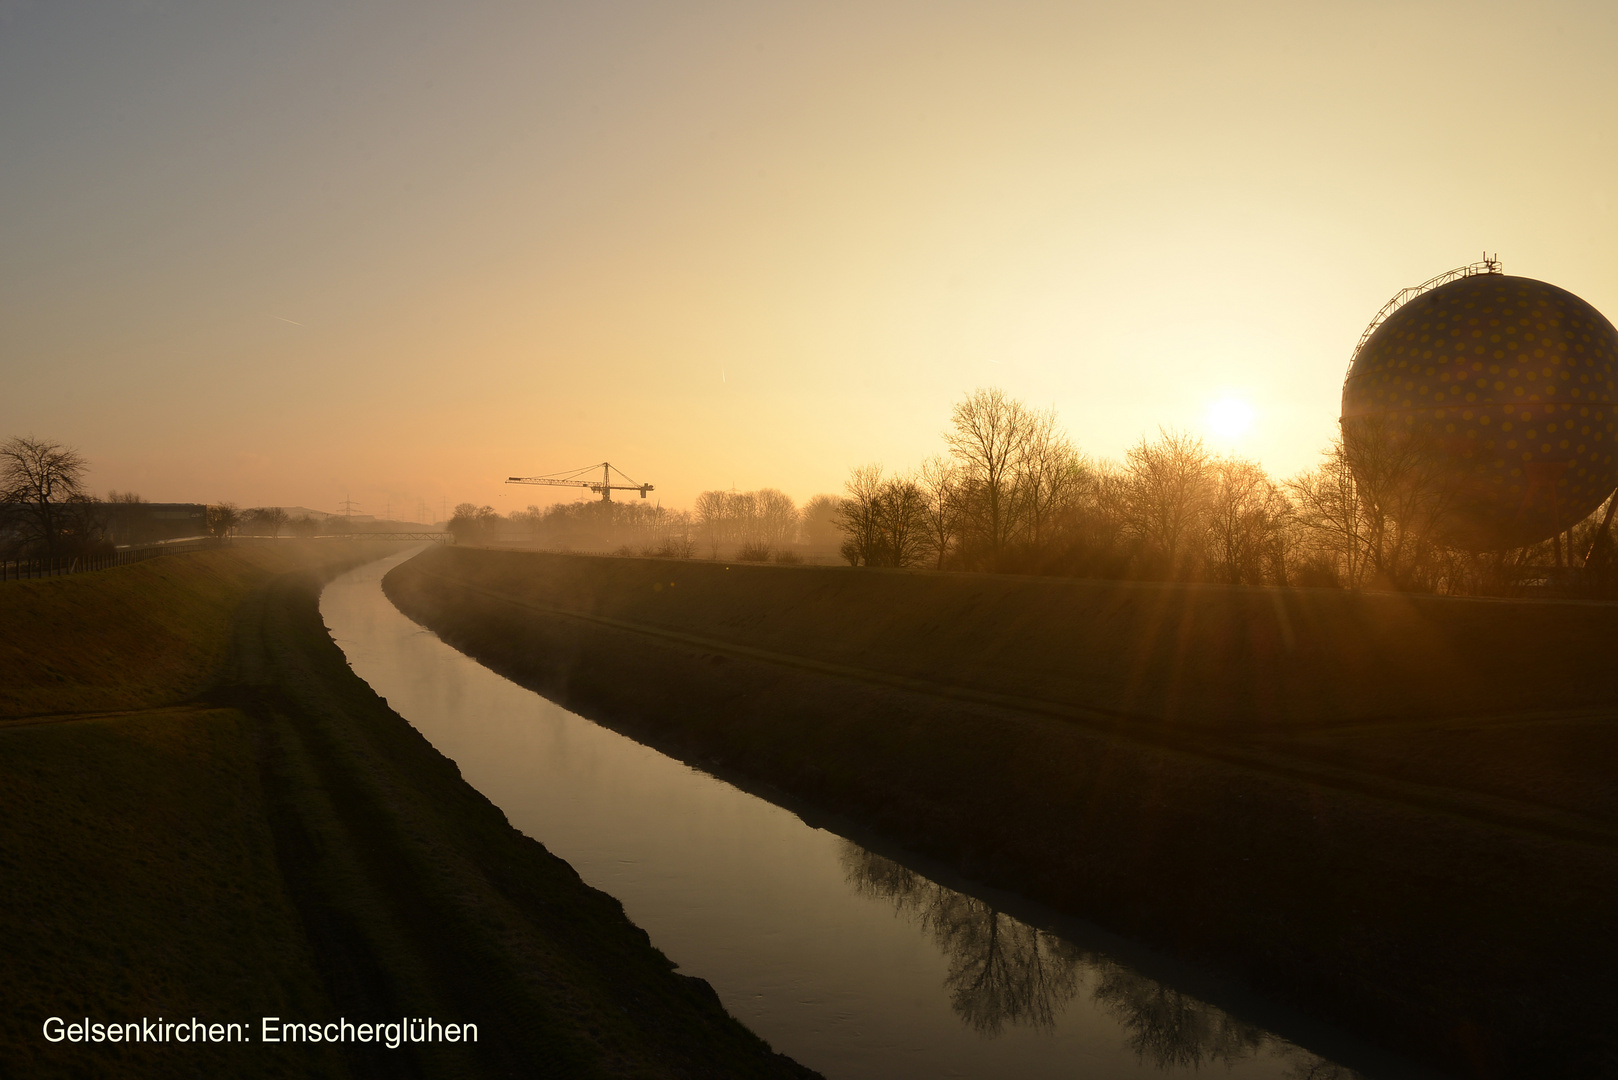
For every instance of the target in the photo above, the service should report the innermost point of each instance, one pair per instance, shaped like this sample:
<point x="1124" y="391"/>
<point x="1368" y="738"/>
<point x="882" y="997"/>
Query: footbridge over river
<point x="424" y="536"/>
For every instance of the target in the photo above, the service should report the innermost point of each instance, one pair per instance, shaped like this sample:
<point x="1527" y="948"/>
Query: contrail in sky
<point x="287" y="320"/>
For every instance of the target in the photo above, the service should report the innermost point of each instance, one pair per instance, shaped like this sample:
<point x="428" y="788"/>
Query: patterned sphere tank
<point x="1510" y="384"/>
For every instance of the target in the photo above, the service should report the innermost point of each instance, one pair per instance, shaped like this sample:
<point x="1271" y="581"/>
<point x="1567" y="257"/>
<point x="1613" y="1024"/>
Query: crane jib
<point x="605" y="485"/>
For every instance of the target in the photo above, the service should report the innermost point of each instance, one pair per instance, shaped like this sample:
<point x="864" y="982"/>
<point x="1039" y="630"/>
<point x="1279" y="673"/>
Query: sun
<point x="1229" y="418"/>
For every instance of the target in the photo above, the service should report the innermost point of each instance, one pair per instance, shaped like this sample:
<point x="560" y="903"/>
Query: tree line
<point x="759" y="526"/>
<point x="48" y="512"/>
<point x="1011" y="493"/>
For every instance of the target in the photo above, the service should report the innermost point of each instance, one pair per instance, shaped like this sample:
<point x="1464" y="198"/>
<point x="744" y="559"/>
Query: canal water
<point x="856" y="964"/>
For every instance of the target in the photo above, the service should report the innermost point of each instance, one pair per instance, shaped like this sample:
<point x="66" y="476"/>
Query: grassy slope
<point x="1440" y="880"/>
<point x="283" y="844"/>
<point x="139" y="636"/>
<point x="139" y="880"/>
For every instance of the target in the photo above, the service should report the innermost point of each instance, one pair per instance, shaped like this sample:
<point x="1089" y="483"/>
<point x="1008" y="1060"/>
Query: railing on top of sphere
<point x="1489" y="265"/>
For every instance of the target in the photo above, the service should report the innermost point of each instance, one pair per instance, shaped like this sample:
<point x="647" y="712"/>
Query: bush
<point x="678" y="547"/>
<point x="754" y="551"/>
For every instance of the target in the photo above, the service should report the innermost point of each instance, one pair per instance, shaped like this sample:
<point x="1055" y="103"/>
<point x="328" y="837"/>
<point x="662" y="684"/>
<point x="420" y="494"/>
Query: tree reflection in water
<point x="1000" y="970"/>
<point x="1003" y="971"/>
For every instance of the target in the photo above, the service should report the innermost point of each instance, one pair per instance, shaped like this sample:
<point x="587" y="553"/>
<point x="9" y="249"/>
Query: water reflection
<point x="1000" y="970"/>
<point x="1168" y="1028"/>
<point x="1003" y="971"/>
<point x="796" y="930"/>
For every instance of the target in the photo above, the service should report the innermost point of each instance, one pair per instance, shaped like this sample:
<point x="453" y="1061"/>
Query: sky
<point x="394" y="252"/>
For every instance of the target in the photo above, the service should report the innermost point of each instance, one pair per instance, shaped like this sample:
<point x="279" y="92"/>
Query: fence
<point x="24" y="569"/>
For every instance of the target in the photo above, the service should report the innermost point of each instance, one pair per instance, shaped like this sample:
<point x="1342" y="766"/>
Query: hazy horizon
<point x="291" y="254"/>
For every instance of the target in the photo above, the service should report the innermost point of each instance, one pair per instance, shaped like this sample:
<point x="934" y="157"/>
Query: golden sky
<point x="283" y="253"/>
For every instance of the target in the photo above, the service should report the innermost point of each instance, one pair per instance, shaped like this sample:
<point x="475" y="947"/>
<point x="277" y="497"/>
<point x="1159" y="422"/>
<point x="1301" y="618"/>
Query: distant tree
<point x="305" y="526"/>
<point x="760" y="522"/>
<point x="988" y="435"/>
<point x="883" y="519"/>
<point x="1105" y="523"/>
<point x="859" y="516"/>
<point x="777" y="518"/>
<point x="901" y="524"/>
<point x="1328" y="505"/>
<point x="463" y="523"/>
<point x="1051" y="480"/>
<point x="940" y="483"/>
<point x="1248" y="521"/>
<point x="672" y="536"/>
<point x="42" y="495"/>
<point x="1167" y="491"/>
<point x="1406" y="498"/>
<point x="116" y="496"/>
<point x="713" y="513"/>
<point x="531" y="521"/>
<point x="270" y="518"/>
<point x="817" y="522"/>
<point x="221" y="519"/>
<point x="472" y="524"/>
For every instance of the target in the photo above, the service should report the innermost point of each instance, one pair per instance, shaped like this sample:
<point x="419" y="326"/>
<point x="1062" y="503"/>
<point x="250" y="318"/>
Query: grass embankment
<point x="203" y="812"/>
<point x="1399" y="812"/>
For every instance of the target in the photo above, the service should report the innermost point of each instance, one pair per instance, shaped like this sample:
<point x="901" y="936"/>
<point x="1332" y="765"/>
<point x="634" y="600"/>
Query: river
<point x="855" y="963"/>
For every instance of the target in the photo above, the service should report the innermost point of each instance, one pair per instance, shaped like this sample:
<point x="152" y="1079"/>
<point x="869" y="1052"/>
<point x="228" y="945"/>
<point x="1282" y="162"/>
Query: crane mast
<point x="605" y="487"/>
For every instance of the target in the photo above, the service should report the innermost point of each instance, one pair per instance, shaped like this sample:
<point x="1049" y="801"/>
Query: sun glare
<point x="1229" y="418"/>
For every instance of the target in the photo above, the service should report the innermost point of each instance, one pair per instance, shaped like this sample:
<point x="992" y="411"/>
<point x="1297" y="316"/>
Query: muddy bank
<point x="1434" y="880"/>
<point x="256" y="834"/>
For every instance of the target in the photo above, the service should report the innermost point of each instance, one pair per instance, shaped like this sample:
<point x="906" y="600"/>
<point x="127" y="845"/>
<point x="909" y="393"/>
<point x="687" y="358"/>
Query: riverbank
<point x="1275" y="782"/>
<point x="204" y="813"/>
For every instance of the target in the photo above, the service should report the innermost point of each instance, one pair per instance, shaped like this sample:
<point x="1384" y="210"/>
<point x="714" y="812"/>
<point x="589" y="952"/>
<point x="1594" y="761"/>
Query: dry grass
<point x="141" y="881"/>
<point x="131" y="637"/>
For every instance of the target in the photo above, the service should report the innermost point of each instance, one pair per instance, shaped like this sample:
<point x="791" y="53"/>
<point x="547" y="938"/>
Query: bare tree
<point x="757" y="523"/>
<point x="884" y="520"/>
<point x="940" y="485"/>
<point x="42" y="492"/>
<point x="1405" y="496"/>
<point x="817" y="522"/>
<point x="1167" y="492"/>
<point x="859" y="516"/>
<point x="777" y="518"/>
<point x="1248" y="517"/>
<point x="1098" y="536"/>
<point x="1329" y="507"/>
<point x="902" y="523"/>
<point x="989" y="435"/>
<point x="714" y="520"/>
<point x="673" y="534"/>
<point x="1052" y="477"/>
<point x="471" y="524"/>
<point x="221" y="519"/>
<point x="746" y="525"/>
<point x="272" y="518"/>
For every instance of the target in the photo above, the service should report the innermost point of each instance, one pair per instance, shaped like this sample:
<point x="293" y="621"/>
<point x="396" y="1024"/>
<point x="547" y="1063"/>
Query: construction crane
<point x="571" y="479"/>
